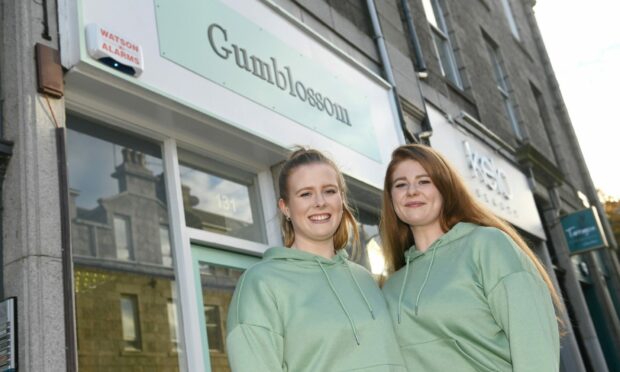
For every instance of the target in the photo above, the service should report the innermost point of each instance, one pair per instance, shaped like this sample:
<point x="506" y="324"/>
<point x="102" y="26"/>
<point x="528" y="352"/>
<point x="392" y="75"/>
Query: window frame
<point x="510" y="17"/>
<point x="435" y="15"/>
<point x="504" y="88"/>
<point x="134" y="345"/>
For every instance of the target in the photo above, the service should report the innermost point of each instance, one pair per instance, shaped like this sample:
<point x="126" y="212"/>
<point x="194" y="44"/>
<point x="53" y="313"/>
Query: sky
<point x="583" y="42"/>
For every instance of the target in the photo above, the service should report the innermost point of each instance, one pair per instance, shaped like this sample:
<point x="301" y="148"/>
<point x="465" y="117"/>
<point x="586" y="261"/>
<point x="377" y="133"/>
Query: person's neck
<point x="424" y="236"/>
<point x="323" y="249"/>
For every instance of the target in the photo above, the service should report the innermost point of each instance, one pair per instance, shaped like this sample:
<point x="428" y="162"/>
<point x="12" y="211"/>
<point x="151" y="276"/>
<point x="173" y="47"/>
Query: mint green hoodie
<point x="473" y="302"/>
<point x="295" y="311"/>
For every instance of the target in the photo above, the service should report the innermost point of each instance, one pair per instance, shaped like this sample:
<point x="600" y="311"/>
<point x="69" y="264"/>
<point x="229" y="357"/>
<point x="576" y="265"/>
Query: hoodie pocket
<point x="443" y="354"/>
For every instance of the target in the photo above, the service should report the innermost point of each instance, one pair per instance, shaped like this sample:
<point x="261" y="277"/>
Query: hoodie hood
<point x="457" y="232"/>
<point x="307" y="259"/>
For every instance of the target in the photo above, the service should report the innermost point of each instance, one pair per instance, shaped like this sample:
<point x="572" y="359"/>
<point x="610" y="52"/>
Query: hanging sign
<point x="583" y="231"/>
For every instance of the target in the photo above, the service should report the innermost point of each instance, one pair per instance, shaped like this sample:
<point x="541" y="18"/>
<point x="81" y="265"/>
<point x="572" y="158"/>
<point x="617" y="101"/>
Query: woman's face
<point x="315" y="203"/>
<point x="415" y="198"/>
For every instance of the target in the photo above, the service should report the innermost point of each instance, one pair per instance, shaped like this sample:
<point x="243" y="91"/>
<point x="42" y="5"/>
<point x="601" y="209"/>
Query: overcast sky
<point x="583" y="42"/>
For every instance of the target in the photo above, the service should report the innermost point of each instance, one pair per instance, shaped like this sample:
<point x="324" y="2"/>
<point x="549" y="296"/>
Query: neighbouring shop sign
<point x="583" y="231"/>
<point x="217" y="43"/>
<point x="8" y="352"/>
<point x="494" y="180"/>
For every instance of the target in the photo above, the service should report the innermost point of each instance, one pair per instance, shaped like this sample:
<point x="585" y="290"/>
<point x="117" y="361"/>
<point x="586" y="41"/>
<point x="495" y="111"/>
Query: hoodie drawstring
<point x="402" y="289"/>
<point x="372" y="313"/>
<point x="344" y="309"/>
<point x="428" y="273"/>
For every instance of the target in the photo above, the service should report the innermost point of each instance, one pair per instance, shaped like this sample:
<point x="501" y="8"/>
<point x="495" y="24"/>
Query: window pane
<point x="118" y="211"/>
<point x="503" y="87"/>
<point x="443" y="46"/>
<point x="430" y="13"/>
<point x="218" y="284"/>
<point x="164" y="241"/>
<point x="220" y="199"/>
<point x="131" y="322"/>
<point x="510" y="18"/>
<point x="172" y="325"/>
<point x="122" y="238"/>
<point x="214" y="328"/>
<point x="369" y="254"/>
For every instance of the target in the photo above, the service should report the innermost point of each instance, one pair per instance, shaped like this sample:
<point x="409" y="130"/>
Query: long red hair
<point x="459" y="205"/>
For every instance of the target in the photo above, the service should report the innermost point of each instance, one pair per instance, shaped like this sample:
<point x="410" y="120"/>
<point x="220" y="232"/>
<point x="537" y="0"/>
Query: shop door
<point x="216" y="273"/>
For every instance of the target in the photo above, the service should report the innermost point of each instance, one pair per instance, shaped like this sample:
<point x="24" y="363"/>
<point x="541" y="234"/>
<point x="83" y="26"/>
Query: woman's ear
<point x="283" y="208"/>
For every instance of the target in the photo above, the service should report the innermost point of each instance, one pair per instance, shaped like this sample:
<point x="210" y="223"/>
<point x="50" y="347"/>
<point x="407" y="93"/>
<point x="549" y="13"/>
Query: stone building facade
<point x="138" y="186"/>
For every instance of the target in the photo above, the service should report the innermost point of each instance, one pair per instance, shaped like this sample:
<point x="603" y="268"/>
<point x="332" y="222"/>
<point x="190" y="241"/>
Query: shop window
<point x="213" y="324"/>
<point x="122" y="238"/>
<point x="130" y="320"/>
<point x="435" y="14"/>
<point x="118" y="210"/>
<point x="221" y="199"/>
<point x="503" y="86"/>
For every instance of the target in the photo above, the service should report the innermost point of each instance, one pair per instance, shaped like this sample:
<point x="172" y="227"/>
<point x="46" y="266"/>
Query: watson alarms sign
<point x="114" y="49"/>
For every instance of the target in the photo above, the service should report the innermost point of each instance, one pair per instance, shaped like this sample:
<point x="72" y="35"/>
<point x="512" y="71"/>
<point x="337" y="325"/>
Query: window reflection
<point x="369" y="253"/>
<point x="131" y="322"/>
<point x="218" y="284"/>
<point x="122" y="257"/>
<point x="220" y="199"/>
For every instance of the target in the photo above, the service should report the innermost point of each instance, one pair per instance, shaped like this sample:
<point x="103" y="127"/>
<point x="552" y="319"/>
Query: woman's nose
<point x="319" y="200"/>
<point x="412" y="189"/>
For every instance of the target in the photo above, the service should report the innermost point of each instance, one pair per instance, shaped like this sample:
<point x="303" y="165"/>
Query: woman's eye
<point x="331" y="191"/>
<point x="304" y="194"/>
<point x="399" y="185"/>
<point x="424" y="181"/>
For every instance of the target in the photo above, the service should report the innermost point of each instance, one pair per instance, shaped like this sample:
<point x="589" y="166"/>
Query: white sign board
<point x="173" y="78"/>
<point x="500" y="185"/>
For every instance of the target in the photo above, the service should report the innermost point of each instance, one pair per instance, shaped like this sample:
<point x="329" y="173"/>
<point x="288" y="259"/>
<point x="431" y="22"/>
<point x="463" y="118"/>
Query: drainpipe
<point x="387" y="68"/>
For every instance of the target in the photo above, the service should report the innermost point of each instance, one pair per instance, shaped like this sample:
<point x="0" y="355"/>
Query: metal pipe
<point x="419" y="63"/>
<point x="387" y="67"/>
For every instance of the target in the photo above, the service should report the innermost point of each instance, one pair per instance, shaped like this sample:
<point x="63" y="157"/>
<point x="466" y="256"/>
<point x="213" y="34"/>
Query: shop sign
<point x="494" y="180"/>
<point x="483" y="168"/>
<point x="8" y="348"/>
<point x="583" y="231"/>
<point x="114" y="49"/>
<point x="218" y="43"/>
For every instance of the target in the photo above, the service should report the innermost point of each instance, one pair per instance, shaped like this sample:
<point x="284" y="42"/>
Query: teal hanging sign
<point x="219" y="44"/>
<point x="583" y="231"/>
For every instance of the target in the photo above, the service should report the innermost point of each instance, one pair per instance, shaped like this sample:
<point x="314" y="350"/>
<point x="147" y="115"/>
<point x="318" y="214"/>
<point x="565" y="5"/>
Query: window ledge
<point x="466" y="96"/>
<point x="521" y="46"/>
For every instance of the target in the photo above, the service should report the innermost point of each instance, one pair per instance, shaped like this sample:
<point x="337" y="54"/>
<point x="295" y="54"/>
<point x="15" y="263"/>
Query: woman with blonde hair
<point x="305" y="307"/>
<point x="468" y="294"/>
